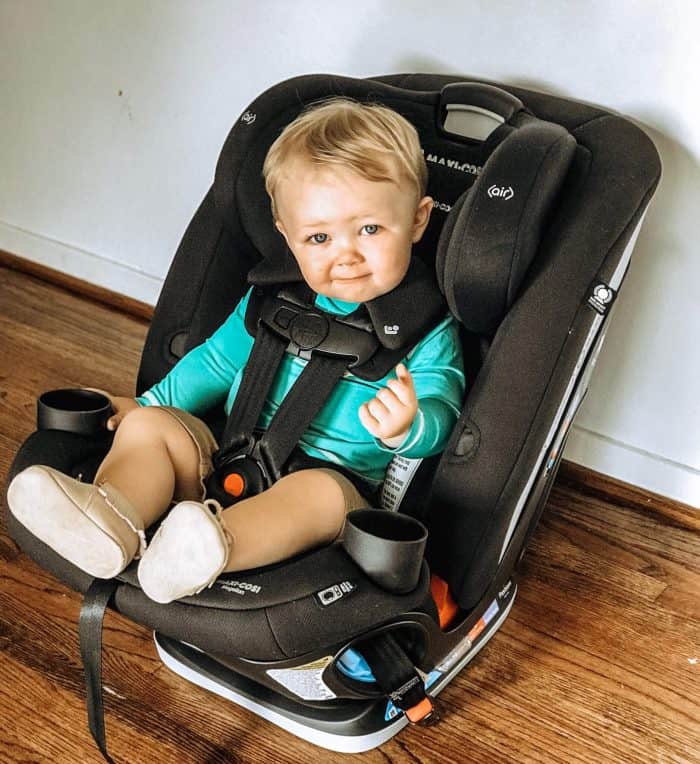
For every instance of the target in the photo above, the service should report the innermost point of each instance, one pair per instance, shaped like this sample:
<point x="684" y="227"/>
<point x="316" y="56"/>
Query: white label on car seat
<point x="601" y="297"/>
<point x="305" y="681"/>
<point x="333" y="593"/>
<point x="501" y="192"/>
<point x="398" y="477"/>
<point x="238" y="587"/>
<point x="453" y="164"/>
<point x="457" y="652"/>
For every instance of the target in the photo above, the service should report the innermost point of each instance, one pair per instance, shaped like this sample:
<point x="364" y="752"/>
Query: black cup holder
<point x="387" y="546"/>
<point x="84" y="412"/>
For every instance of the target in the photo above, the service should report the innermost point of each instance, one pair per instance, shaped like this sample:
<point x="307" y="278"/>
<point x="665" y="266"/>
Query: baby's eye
<point x="370" y="228"/>
<point x="319" y="238"/>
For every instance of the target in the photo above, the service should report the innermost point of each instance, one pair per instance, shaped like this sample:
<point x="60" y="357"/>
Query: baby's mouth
<point x="350" y="278"/>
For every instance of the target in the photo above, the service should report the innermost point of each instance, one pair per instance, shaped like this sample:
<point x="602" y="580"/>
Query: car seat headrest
<point x="493" y="230"/>
<point x="494" y="172"/>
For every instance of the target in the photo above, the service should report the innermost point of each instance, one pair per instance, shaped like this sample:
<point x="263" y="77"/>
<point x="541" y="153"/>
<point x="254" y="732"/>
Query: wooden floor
<point x="598" y="661"/>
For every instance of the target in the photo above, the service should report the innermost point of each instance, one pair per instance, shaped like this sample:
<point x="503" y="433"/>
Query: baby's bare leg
<point x="300" y="511"/>
<point x="152" y="459"/>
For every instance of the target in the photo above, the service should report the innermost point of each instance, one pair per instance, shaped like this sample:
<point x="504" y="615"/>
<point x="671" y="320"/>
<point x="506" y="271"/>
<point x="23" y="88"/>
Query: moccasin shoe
<point x="188" y="552"/>
<point x="92" y="526"/>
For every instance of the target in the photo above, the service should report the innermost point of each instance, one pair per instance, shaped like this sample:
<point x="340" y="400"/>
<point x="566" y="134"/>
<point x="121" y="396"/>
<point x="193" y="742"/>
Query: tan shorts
<point x="207" y="446"/>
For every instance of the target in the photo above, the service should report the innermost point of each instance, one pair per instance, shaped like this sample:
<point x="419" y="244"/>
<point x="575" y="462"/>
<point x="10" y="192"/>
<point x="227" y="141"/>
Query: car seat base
<point x="347" y="726"/>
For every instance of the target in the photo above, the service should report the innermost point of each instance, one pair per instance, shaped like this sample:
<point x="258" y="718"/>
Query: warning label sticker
<point x="396" y="481"/>
<point x="305" y="681"/>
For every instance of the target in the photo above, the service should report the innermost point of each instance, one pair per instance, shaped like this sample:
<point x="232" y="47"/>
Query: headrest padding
<point x="493" y="230"/>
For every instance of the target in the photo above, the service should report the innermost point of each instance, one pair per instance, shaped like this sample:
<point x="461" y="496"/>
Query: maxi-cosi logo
<point x="249" y="117"/>
<point x="239" y="587"/>
<point x="501" y="192"/>
<point x="453" y="164"/>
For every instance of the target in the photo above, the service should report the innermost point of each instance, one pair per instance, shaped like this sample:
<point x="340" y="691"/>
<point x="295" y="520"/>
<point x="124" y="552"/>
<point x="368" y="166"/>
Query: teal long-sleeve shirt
<point x="211" y="373"/>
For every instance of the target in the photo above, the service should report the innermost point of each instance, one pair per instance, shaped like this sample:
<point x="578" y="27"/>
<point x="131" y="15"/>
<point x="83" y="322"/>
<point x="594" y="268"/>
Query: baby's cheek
<point x="315" y="278"/>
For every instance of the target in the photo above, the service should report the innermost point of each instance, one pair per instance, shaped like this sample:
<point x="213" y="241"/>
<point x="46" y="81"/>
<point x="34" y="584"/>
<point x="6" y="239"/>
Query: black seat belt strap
<point x="301" y="404"/>
<point x="92" y="612"/>
<point x="258" y="375"/>
<point x="398" y="679"/>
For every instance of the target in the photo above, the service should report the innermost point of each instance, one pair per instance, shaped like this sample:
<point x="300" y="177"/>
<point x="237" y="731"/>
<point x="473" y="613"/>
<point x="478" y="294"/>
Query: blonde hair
<point x="373" y="140"/>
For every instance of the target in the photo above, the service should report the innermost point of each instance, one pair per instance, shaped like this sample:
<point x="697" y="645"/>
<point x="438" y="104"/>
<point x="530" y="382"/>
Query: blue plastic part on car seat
<point x="353" y="665"/>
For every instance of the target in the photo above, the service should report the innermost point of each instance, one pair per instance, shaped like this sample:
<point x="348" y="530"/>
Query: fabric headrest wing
<point x="493" y="230"/>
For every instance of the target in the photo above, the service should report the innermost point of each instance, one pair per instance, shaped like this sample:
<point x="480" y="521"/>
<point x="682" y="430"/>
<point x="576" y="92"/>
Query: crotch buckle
<point x="236" y="479"/>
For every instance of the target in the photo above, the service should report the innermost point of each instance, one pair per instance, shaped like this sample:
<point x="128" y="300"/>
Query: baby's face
<point x="351" y="236"/>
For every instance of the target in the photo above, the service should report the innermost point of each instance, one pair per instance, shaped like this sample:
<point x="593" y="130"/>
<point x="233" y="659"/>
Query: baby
<point x="347" y="185"/>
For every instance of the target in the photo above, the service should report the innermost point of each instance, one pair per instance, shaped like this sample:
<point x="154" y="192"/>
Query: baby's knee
<point x="323" y="491"/>
<point x="144" y="422"/>
<point x="332" y="483"/>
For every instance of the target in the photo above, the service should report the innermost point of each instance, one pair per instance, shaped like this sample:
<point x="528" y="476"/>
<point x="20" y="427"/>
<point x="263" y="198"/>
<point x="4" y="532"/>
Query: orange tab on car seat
<point x="234" y="485"/>
<point x="419" y="711"/>
<point x="446" y="606"/>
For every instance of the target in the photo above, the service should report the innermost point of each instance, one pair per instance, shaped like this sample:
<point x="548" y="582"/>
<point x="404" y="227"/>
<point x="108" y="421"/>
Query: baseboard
<point x="588" y="456"/>
<point x="77" y="286"/>
<point x="633" y="466"/>
<point x="96" y="270"/>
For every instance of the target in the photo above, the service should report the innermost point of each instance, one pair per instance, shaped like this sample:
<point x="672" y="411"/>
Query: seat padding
<point x="492" y="232"/>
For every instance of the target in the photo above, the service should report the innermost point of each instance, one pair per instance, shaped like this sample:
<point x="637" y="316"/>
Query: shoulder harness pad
<point x="374" y="338"/>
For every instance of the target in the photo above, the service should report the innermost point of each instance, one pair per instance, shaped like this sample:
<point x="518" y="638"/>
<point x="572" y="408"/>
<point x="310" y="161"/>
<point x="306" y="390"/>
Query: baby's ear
<point x="422" y="217"/>
<point x="280" y="228"/>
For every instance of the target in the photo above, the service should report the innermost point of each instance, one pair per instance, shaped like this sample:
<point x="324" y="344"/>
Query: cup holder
<point x="84" y="412"/>
<point x="387" y="546"/>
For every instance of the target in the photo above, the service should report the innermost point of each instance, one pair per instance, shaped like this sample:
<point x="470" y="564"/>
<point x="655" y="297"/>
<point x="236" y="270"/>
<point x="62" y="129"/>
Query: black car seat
<point x="538" y="201"/>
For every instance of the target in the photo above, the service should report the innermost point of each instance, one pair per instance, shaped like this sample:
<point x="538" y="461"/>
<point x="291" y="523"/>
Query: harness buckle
<point x="237" y="476"/>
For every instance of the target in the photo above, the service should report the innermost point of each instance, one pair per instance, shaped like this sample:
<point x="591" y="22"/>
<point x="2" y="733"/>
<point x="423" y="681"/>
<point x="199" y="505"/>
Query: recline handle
<point x="474" y="110"/>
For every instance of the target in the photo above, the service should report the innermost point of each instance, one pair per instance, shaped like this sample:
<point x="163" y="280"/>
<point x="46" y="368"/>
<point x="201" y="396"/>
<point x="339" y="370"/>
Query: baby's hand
<point x="390" y="414"/>
<point x="121" y="406"/>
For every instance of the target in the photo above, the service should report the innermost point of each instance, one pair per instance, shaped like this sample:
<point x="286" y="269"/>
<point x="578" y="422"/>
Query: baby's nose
<point x="348" y="254"/>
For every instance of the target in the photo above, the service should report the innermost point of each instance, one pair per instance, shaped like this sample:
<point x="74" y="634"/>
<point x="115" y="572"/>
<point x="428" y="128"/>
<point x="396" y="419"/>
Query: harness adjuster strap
<point x="92" y="612"/>
<point x="399" y="679"/>
<point x="425" y="711"/>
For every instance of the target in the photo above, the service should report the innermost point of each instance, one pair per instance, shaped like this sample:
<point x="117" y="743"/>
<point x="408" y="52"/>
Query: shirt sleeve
<point x="437" y="368"/>
<point x="203" y="377"/>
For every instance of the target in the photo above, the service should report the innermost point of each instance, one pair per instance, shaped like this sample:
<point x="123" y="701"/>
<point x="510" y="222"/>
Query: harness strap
<point x="258" y="375"/>
<point x="92" y="612"/>
<point x="398" y="679"/>
<point x="301" y="404"/>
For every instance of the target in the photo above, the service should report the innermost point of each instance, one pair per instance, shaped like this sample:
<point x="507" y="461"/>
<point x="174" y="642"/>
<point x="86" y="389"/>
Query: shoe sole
<point x="39" y="503"/>
<point x="186" y="555"/>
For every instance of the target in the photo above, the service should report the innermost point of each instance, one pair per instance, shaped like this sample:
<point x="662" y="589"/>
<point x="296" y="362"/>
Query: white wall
<point x="113" y="115"/>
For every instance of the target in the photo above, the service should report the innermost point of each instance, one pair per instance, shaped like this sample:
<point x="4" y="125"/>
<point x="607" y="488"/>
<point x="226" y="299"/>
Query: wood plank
<point x="594" y="664"/>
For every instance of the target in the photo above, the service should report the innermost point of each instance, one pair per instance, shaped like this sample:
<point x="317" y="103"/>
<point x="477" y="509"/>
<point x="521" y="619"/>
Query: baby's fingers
<point x="370" y="423"/>
<point x="403" y="386"/>
<point x="401" y="391"/>
<point x="404" y="375"/>
<point x="114" y="421"/>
